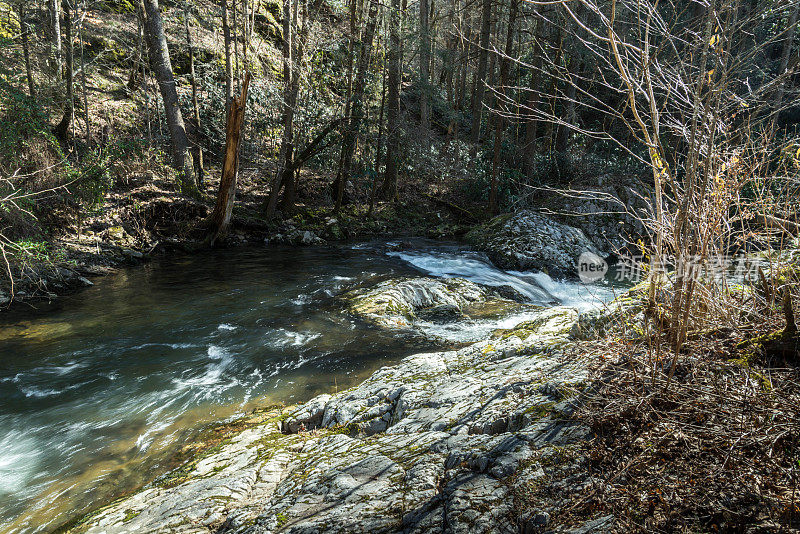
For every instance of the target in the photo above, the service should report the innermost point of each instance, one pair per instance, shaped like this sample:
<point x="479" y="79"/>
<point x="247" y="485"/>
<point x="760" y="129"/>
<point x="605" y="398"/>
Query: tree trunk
<point x="389" y="186"/>
<point x="466" y="45"/>
<point x="226" y="35"/>
<point x="23" y="34"/>
<point x="290" y="176"/>
<point x="480" y="79"/>
<point x="162" y="67"/>
<point x="145" y="79"/>
<point x="221" y="216"/>
<point x="569" y="113"/>
<point x="63" y="128"/>
<point x="532" y="125"/>
<point x="55" y="23"/>
<point x="788" y="41"/>
<point x="373" y="189"/>
<point x="133" y="78"/>
<point x="357" y="110"/>
<point x="552" y="128"/>
<point x="284" y="157"/>
<point x="448" y="64"/>
<point x="348" y="101"/>
<point x="292" y="58"/>
<point x="570" y="64"/>
<point x="86" y="115"/>
<point x="499" y="120"/>
<point x="424" y="64"/>
<point x="198" y="150"/>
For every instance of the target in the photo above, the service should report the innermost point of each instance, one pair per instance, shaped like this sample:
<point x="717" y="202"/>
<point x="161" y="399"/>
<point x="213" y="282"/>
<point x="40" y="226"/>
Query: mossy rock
<point x="397" y="303"/>
<point x="9" y="24"/>
<point x="530" y="241"/>
<point x="551" y="322"/>
<point x="780" y="344"/>
<point x="118" y="6"/>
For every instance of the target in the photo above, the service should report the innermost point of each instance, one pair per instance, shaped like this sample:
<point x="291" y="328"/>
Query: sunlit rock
<point x="529" y="241"/>
<point x="398" y="303"/>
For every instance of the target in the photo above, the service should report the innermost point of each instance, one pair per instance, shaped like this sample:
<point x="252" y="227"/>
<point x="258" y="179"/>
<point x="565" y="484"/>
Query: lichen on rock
<point x="398" y="303"/>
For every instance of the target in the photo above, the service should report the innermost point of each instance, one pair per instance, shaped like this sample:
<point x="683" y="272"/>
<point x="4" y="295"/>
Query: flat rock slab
<point x="435" y="443"/>
<point x="399" y="303"/>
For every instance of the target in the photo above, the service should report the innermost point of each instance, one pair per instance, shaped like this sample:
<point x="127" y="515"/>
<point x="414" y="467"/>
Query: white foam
<point x="295" y="339"/>
<point x="577" y="295"/>
<point x="146" y="439"/>
<point x="227" y="327"/>
<point x="536" y="286"/>
<point x="168" y="345"/>
<point x="217" y="353"/>
<point x="38" y="393"/>
<point x="64" y="369"/>
<point x="448" y="265"/>
<point x="301" y="300"/>
<point x="19" y="458"/>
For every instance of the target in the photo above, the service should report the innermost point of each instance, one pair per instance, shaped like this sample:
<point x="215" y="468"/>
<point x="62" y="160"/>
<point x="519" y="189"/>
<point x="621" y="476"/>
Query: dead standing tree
<point x="221" y="216"/>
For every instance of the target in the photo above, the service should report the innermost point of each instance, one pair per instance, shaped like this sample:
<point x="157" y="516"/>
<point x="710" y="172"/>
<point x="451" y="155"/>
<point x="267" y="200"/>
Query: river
<point x="100" y="387"/>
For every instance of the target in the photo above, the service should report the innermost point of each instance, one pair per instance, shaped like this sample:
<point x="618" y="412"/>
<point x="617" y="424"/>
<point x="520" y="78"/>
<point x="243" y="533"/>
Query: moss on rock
<point x="399" y="302"/>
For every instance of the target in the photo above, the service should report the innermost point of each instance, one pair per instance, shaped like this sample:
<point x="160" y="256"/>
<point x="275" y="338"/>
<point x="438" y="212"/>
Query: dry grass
<point x="715" y="452"/>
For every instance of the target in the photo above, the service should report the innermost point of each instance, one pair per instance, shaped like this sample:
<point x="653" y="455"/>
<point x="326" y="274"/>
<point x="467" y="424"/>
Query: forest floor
<point x="712" y="448"/>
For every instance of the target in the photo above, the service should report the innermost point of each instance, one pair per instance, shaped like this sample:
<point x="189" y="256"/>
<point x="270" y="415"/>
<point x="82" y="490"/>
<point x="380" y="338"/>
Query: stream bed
<point x="99" y="388"/>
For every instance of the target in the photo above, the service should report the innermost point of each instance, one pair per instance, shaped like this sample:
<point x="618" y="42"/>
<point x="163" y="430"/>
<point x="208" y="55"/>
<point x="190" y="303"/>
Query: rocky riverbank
<point x="143" y="222"/>
<point x="442" y="441"/>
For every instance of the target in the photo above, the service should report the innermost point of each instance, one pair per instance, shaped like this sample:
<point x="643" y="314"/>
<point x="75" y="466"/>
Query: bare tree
<point x="162" y="67"/>
<point x="84" y="88"/>
<point x="292" y="168"/>
<point x="55" y="25"/>
<point x="226" y="36"/>
<point x="63" y="127"/>
<point x="198" y="152"/>
<point x="357" y="111"/>
<point x="480" y="76"/>
<point x="24" y="30"/>
<point x="354" y="33"/>
<point x="389" y="185"/>
<point x="136" y="66"/>
<point x="424" y="63"/>
<point x="676" y="76"/>
<point x="293" y="51"/>
<point x="532" y="123"/>
<point x="788" y="42"/>
<point x="499" y="121"/>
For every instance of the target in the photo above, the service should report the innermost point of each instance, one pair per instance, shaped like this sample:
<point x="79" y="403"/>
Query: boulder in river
<point x="295" y="237"/>
<point x="398" y="303"/>
<point x="529" y="241"/>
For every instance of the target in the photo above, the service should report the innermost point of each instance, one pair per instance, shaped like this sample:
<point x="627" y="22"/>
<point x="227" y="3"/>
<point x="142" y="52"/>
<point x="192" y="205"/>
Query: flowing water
<point x="97" y="390"/>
